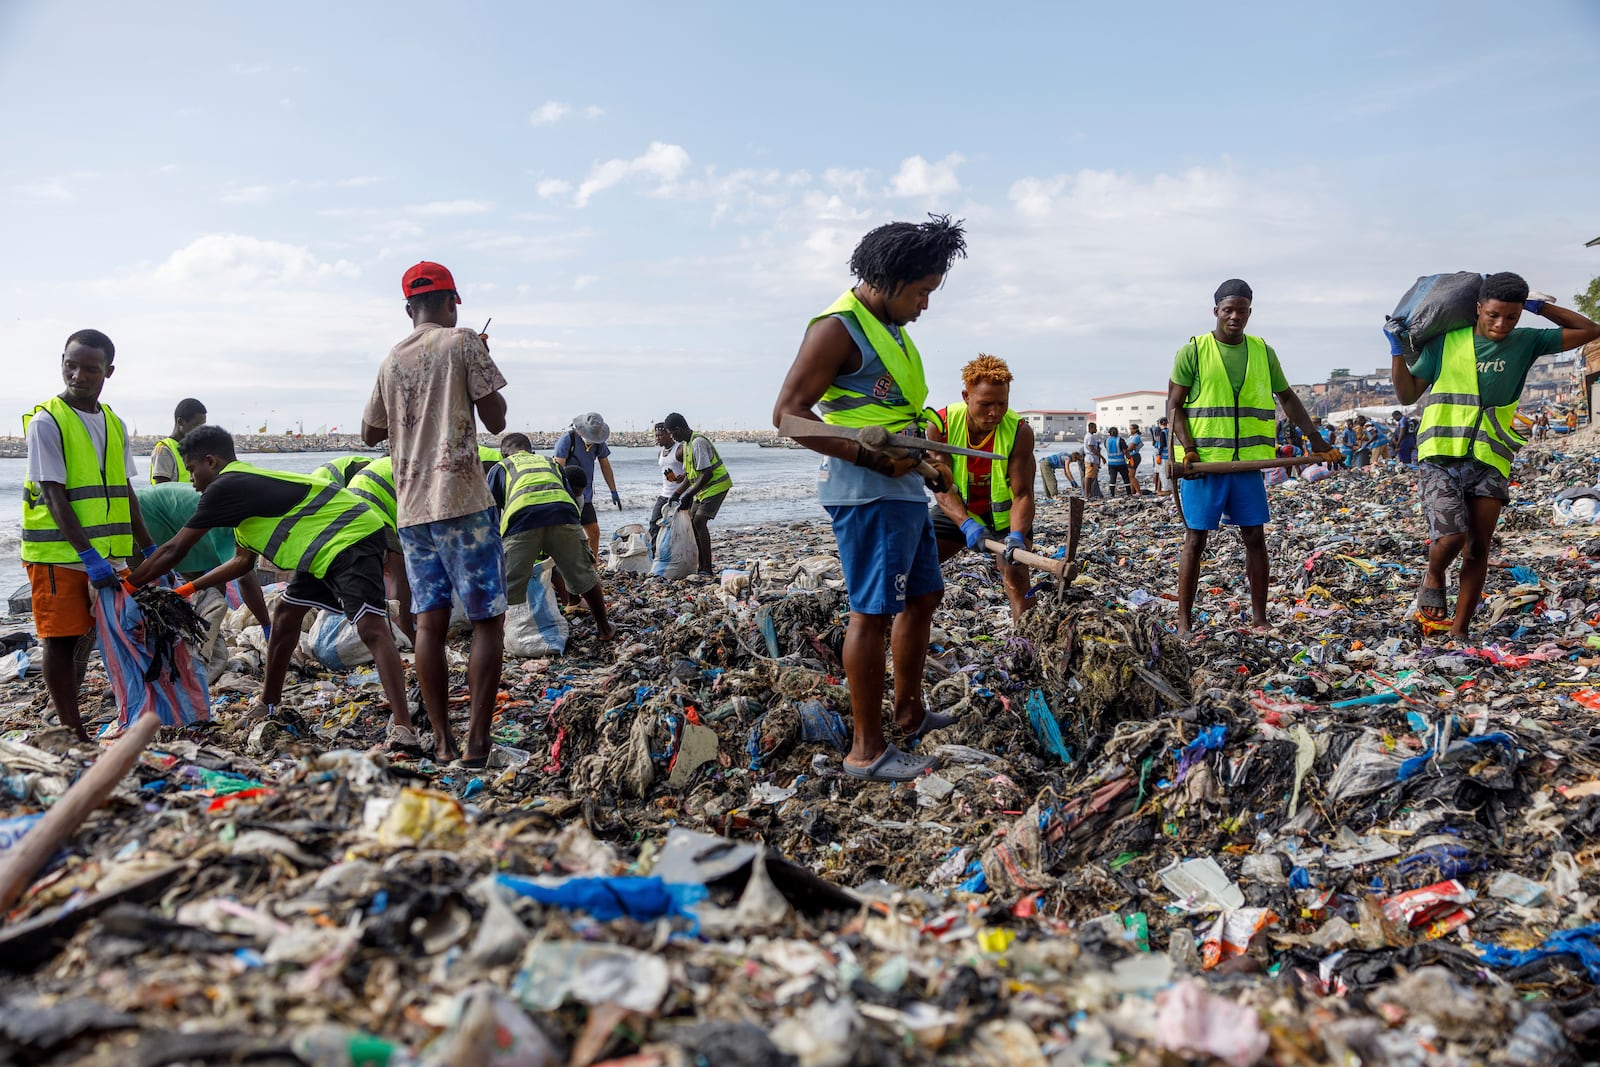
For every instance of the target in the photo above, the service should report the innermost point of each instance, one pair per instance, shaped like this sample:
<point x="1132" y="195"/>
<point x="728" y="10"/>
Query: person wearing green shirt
<point x="1469" y="381"/>
<point x="1220" y="401"/>
<point x="167" y="508"/>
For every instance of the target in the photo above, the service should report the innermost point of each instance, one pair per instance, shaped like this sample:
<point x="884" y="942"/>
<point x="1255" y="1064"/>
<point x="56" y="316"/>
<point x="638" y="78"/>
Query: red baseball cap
<point x="428" y="277"/>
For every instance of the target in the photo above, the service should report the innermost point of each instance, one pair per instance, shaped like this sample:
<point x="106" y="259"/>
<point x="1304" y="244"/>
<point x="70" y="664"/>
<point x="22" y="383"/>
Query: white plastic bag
<point x="537" y="627"/>
<point x="676" y="554"/>
<point x="333" y="641"/>
<point x="629" y="550"/>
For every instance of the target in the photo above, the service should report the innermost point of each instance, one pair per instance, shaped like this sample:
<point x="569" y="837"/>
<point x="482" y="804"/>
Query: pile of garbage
<point x="1336" y="840"/>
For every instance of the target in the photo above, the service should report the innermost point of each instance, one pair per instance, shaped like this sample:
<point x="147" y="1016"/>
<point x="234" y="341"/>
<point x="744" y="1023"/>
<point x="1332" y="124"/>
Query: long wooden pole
<point x="69" y="813"/>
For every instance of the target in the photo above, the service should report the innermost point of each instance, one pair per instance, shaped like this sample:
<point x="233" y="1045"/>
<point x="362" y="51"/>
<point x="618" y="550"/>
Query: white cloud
<point x="549" y="112"/>
<point x="664" y="163"/>
<point x="551" y="187"/>
<point x="583" y="281"/>
<point x="919" y="178"/>
<point x="250" y="69"/>
<point x="452" y="207"/>
<point x="232" y="260"/>
<point x="553" y="111"/>
<point x="358" y="182"/>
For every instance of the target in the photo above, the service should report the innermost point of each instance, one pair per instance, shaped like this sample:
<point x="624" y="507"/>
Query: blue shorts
<point x="887" y="552"/>
<point x="461" y="556"/>
<point x="1240" y="499"/>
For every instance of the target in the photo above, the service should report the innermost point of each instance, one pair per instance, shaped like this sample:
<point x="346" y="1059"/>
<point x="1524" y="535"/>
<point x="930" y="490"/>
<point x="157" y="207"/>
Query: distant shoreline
<point x="16" y="447"/>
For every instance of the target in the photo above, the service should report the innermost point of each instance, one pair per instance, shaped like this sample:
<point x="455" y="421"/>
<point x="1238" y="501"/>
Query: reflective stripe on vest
<point x="328" y="520"/>
<point x="171" y="445"/>
<point x="1229" y="424"/>
<point x="1455" y="424"/>
<point x="720" y="482"/>
<point x="1005" y="439"/>
<point x="374" y="483"/>
<point x="531" y="480"/>
<point x="340" y="471"/>
<point x="846" y="407"/>
<point x="99" y="496"/>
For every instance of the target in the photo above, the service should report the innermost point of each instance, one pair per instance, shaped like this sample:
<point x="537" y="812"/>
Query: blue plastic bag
<point x="818" y="722"/>
<point x="1045" y="727"/>
<point x="642" y="899"/>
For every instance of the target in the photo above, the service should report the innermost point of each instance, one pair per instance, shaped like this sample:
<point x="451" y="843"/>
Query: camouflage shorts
<point x="1445" y="487"/>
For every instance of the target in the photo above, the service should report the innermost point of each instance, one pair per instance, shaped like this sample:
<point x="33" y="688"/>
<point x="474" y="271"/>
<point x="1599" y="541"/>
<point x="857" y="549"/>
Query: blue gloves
<point x="101" y="576"/>
<point x="1534" y="306"/>
<point x="1014" y="540"/>
<point x="266" y="630"/>
<point x="149" y="550"/>
<point x="975" y="532"/>
<point x="1395" y="347"/>
<point x="616" y="498"/>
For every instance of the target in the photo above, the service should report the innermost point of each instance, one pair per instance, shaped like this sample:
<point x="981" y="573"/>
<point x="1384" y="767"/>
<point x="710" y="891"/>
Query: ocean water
<point x="769" y="485"/>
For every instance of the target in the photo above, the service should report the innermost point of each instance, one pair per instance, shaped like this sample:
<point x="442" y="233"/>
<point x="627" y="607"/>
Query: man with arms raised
<point x="858" y="367"/>
<point x="1470" y="381"/>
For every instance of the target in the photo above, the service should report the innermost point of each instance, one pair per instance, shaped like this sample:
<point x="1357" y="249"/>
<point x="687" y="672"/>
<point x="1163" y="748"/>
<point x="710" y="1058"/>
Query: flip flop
<point x="932" y="720"/>
<point x="892" y="766"/>
<point x="1429" y="600"/>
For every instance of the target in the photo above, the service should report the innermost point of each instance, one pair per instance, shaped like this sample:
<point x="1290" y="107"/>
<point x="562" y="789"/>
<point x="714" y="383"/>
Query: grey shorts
<point x="706" y="507"/>
<point x="1445" y="487"/>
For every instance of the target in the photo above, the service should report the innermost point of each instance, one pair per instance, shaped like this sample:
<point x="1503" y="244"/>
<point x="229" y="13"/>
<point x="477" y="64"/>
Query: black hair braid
<point x="898" y="253"/>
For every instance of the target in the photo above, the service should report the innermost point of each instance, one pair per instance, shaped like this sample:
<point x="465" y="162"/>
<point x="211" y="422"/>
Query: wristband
<point x="185" y="590"/>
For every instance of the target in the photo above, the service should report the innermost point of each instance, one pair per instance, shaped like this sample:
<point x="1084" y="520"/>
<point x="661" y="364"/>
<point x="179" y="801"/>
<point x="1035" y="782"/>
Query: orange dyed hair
<point x="986" y="368"/>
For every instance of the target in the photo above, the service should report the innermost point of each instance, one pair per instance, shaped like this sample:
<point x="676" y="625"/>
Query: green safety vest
<point x="719" y="483"/>
<point x="374" y="483"/>
<point x="1229" y="424"/>
<point x="1455" y="424"/>
<point x="531" y="480"/>
<point x="954" y="425"/>
<point x="171" y="445"/>
<point x="846" y="407"/>
<point x="340" y="471"/>
<point x="328" y="520"/>
<point x="99" y="495"/>
<point x="488" y="455"/>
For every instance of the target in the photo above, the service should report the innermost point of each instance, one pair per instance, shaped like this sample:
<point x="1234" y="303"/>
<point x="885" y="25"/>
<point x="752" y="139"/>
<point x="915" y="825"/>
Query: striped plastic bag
<point x="178" y="695"/>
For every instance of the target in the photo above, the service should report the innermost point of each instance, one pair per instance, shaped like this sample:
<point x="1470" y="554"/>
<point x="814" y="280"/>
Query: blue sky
<point x="652" y="199"/>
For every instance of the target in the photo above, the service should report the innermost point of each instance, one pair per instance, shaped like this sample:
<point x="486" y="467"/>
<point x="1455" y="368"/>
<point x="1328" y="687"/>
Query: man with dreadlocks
<point x="858" y="367"/>
<point x="987" y="498"/>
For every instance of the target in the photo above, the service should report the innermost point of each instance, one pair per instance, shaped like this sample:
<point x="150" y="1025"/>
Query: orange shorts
<point x="60" y="601"/>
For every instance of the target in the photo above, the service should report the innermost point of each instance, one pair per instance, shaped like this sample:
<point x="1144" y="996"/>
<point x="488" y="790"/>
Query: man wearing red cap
<point x="427" y="392"/>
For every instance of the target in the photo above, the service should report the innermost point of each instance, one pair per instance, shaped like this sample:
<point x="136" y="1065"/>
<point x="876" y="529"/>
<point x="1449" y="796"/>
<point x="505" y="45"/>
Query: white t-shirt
<point x="1091" y="447"/>
<point x="47" y="461"/>
<point x="670" y="460"/>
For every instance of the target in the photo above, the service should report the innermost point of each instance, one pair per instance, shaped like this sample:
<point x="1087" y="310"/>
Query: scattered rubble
<point x="1333" y="841"/>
